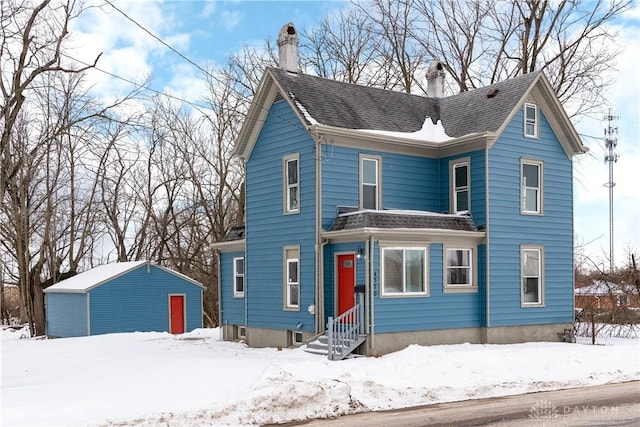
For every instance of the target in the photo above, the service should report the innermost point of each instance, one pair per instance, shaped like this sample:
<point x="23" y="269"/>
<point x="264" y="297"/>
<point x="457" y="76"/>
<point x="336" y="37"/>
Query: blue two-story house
<point x="433" y="219"/>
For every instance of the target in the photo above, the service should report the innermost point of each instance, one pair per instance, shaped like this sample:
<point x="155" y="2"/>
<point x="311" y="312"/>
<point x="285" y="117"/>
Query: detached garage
<point x="124" y="297"/>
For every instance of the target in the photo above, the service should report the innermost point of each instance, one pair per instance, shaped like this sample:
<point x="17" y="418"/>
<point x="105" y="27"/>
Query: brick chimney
<point x="435" y="80"/>
<point x="288" y="48"/>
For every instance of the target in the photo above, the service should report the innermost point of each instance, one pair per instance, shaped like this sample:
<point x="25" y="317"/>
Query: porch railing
<point x="346" y="332"/>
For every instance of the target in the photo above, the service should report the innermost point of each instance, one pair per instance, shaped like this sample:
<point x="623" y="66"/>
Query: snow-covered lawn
<point x="197" y="380"/>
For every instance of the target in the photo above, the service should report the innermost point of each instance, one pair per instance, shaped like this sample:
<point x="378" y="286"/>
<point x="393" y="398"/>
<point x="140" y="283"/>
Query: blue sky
<point x="207" y="32"/>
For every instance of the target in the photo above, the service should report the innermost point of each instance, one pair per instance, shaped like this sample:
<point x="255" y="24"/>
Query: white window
<point x="530" y="120"/>
<point x="531" y="177"/>
<point x="292" y="184"/>
<point x="531" y="271"/>
<point x="460" y="185"/>
<point x="292" y="278"/>
<point x="369" y="183"/>
<point x="238" y="277"/>
<point x="404" y="271"/>
<point x="459" y="270"/>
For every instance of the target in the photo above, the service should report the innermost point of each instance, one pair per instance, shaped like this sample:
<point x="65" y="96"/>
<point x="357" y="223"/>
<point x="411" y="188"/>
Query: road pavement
<point x="608" y="405"/>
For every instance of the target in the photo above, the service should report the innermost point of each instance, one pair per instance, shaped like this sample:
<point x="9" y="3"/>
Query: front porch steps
<point x="320" y="346"/>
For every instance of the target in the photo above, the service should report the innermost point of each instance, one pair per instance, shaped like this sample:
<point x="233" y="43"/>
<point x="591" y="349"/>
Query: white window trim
<point x="285" y="183"/>
<point x="526" y="120"/>
<point x="453" y="200"/>
<point x="541" y="290"/>
<point x="463" y="288"/>
<point x="295" y="258"/>
<point x="540" y="187"/>
<point x="378" y="160"/>
<point x="425" y="250"/>
<point x="236" y="293"/>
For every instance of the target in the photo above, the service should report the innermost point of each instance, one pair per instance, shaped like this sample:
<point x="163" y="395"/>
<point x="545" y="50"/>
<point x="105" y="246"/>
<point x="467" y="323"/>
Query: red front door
<point x="176" y="314"/>
<point x="346" y="282"/>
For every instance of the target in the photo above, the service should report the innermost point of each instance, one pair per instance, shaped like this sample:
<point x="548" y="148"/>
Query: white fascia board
<point x="408" y="234"/>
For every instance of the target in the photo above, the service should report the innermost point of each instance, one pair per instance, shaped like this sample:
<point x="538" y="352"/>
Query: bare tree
<point x="31" y="43"/>
<point x="484" y="42"/>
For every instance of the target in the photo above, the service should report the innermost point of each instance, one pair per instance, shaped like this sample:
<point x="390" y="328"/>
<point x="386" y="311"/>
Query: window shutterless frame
<point x="291" y="288"/>
<point x="532" y="275"/>
<point x="238" y="277"/>
<point x="291" y="183"/>
<point x="459" y="179"/>
<point x="460" y="269"/>
<point x="531" y="187"/>
<point x="530" y="120"/>
<point x="404" y="271"/>
<point x="370" y="179"/>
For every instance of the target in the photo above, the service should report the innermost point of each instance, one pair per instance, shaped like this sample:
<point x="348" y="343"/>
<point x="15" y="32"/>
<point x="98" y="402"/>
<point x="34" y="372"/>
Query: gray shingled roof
<point x="236" y="233"/>
<point x="402" y="219"/>
<point x="351" y="106"/>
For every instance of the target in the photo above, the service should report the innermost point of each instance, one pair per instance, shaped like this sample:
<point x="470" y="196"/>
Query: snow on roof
<point x="89" y="279"/>
<point x="429" y="132"/>
<point x="304" y="111"/>
<point x="404" y="212"/>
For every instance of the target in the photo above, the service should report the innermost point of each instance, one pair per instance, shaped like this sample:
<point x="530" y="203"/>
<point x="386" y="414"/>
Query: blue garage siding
<point x="269" y="230"/>
<point x="408" y="182"/>
<point x="437" y="311"/>
<point x="232" y="307"/>
<point x="66" y="314"/>
<point x="139" y="301"/>
<point x="509" y="229"/>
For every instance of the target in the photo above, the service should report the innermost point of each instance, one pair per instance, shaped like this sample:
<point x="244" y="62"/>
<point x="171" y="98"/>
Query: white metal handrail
<point x="345" y="332"/>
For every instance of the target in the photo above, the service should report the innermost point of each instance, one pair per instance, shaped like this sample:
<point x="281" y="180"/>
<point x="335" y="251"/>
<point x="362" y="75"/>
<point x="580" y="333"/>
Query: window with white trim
<point x="460" y="195"/>
<point x="238" y="277"/>
<point x="532" y="275"/>
<point x="292" y="278"/>
<point x="531" y="180"/>
<point x="459" y="269"/>
<point x="292" y="184"/>
<point x="369" y="182"/>
<point x="530" y="120"/>
<point x="404" y="271"/>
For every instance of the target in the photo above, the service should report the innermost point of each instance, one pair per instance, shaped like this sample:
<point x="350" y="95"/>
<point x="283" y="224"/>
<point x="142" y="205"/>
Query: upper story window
<point x="404" y="271"/>
<point x="370" y="182"/>
<point x="531" y="180"/>
<point x="238" y="277"/>
<point x="532" y="273"/>
<point x="459" y="179"/>
<point x="459" y="270"/>
<point x="292" y="278"/>
<point x="292" y="184"/>
<point x="530" y="120"/>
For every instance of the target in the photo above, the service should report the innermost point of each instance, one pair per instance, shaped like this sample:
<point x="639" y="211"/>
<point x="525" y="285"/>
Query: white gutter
<point x="487" y="263"/>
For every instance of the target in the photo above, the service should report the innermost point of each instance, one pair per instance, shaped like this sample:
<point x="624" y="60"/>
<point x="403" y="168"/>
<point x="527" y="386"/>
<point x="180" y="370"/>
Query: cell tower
<point x="611" y="141"/>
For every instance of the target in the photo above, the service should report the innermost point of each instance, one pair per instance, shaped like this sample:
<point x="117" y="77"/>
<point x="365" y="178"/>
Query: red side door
<point x="176" y="314"/>
<point x="346" y="282"/>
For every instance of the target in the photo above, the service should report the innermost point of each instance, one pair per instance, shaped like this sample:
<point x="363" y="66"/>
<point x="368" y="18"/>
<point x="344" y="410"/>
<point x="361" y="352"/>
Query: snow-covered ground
<point x="198" y="380"/>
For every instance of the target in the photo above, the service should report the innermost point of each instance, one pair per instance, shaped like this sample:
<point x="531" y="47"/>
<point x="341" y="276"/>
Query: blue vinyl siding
<point x="66" y="315"/>
<point x="232" y="307"/>
<point x="408" y="182"/>
<point x="269" y="230"/>
<point x="509" y="229"/>
<point x="437" y="311"/>
<point x="139" y="301"/>
<point x="477" y="185"/>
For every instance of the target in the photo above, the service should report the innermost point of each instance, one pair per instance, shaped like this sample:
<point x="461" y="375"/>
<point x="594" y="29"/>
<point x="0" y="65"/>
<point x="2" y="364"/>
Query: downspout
<point x="487" y="263"/>
<point x="370" y="250"/>
<point x="246" y="244"/>
<point x="219" y="284"/>
<point x="319" y="246"/>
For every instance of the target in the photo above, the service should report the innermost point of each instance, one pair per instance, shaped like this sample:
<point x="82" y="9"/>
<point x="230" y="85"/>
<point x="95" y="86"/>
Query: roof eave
<point x="406" y="234"/>
<point x="363" y="135"/>
<point x="232" y="246"/>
